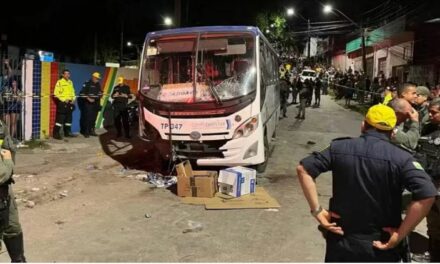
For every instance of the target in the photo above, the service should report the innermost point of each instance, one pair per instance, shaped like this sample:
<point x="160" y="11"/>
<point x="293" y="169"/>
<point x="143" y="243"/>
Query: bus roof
<point x="177" y="31"/>
<point x="250" y="29"/>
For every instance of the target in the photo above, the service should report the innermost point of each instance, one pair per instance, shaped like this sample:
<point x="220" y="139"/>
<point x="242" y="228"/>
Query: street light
<point x="328" y="9"/>
<point x="129" y="44"/>
<point x="168" y="21"/>
<point x="290" y="11"/>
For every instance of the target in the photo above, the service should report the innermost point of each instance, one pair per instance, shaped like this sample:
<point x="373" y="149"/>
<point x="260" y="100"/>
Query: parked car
<point x="308" y="74"/>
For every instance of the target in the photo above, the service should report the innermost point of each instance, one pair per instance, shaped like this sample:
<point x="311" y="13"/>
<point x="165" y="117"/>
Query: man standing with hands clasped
<point x="121" y="94"/>
<point x="364" y="222"/>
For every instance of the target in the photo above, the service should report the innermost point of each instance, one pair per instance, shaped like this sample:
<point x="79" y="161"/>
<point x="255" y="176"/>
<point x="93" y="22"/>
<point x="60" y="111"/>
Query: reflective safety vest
<point x="64" y="90"/>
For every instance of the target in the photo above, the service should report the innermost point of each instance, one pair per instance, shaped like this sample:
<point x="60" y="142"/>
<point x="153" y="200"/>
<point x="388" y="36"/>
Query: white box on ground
<point x="237" y="181"/>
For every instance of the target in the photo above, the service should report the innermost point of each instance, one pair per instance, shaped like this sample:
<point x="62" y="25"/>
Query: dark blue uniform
<point x="369" y="176"/>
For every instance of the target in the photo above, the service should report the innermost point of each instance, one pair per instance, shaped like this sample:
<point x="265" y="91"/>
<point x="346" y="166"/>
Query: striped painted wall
<point x="39" y="82"/>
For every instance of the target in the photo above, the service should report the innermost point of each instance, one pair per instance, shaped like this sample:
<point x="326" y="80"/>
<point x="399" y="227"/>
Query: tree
<point x="275" y="28"/>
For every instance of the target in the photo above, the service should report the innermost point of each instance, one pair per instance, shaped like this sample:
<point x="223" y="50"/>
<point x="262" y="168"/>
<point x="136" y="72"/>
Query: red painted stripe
<point x="54" y="76"/>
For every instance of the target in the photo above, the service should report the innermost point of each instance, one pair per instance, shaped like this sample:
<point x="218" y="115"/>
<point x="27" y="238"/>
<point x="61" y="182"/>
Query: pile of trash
<point x="154" y="178"/>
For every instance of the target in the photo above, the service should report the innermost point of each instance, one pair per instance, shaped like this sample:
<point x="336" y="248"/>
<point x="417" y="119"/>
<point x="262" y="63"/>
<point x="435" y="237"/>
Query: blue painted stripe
<point x="36" y="102"/>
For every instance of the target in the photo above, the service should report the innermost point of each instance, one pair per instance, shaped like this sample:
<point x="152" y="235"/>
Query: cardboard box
<point x="195" y="183"/>
<point x="237" y="181"/>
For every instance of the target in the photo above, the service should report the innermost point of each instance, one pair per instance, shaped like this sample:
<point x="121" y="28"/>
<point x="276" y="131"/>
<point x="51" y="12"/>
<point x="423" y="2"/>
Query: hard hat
<point x="96" y="75"/>
<point x="381" y="117"/>
<point x="120" y="80"/>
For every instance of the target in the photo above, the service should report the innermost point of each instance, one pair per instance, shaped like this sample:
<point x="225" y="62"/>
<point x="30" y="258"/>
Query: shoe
<point x="284" y="116"/>
<point x="86" y="135"/>
<point x="303" y="117"/>
<point x="93" y="134"/>
<point x="297" y="117"/>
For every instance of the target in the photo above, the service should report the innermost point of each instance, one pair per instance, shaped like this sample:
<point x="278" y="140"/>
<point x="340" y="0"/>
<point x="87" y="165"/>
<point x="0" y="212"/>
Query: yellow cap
<point x="120" y="80"/>
<point x="96" y="75"/>
<point x="381" y="117"/>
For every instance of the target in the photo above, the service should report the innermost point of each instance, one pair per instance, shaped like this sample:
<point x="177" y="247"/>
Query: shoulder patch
<point x="418" y="165"/>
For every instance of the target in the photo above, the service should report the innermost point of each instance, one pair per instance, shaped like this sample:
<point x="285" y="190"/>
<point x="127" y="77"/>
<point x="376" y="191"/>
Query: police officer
<point x="65" y="100"/>
<point x="364" y="222"/>
<point x="421" y="105"/>
<point x="121" y="94"/>
<point x="407" y="130"/>
<point x="91" y="94"/>
<point x="284" y="94"/>
<point x="10" y="228"/>
<point x="429" y="154"/>
<point x="303" y="97"/>
<point x="318" y="86"/>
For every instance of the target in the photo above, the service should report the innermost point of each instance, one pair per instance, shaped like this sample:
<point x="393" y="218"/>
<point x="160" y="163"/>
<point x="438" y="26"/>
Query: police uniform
<point x="120" y="107"/>
<point x="303" y="97"/>
<point x="90" y="110"/>
<point x="369" y="175"/>
<point x="10" y="228"/>
<point x="318" y="92"/>
<point x="284" y="94"/>
<point x="65" y="97"/>
<point x="429" y="148"/>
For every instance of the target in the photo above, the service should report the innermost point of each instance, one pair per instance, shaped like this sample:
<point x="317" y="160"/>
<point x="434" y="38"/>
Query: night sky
<point x="70" y="26"/>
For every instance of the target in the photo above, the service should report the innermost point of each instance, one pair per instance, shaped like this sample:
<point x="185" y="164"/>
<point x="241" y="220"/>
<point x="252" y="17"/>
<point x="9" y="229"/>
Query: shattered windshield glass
<point x="199" y="67"/>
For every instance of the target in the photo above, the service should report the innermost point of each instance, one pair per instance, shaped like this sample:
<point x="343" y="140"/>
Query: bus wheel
<point x="262" y="166"/>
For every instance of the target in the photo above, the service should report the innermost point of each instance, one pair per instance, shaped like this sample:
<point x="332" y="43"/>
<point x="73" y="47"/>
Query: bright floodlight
<point x="290" y="12"/>
<point x="129" y="43"/>
<point x="328" y="9"/>
<point x="168" y="21"/>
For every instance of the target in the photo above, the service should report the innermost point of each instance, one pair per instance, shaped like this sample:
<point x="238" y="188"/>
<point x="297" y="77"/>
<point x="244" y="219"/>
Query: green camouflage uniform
<point x="407" y="134"/>
<point x="10" y="228"/>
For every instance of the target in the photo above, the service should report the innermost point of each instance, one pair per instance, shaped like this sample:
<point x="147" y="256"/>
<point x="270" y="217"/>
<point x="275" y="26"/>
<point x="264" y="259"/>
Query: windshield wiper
<point x="214" y="93"/>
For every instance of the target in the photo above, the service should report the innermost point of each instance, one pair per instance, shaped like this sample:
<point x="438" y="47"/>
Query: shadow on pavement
<point x="132" y="153"/>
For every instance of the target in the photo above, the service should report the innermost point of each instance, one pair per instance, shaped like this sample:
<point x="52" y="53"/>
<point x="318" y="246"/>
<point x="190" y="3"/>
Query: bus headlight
<point x="247" y="128"/>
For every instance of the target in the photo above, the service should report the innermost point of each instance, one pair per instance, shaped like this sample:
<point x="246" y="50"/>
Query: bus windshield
<point x="200" y="67"/>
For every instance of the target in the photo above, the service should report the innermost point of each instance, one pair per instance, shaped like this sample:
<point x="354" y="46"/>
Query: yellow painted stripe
<point x="45" y="100"/>
<point x="107" y="89"/>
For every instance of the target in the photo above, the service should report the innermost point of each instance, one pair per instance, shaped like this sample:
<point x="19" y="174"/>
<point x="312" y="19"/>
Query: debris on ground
<point x="59" y="222"/>
<point x="91" y="167"/>
<point x="147" y="215"/>
<point x="157" y="179"/>
<point x="35" y="189"/>
<point x="63" y="194"/>
<point x="311" y="142"/>
<point x="272" y="210"/>
<point x="193" y="226"/>
<point x="30" y="204"/>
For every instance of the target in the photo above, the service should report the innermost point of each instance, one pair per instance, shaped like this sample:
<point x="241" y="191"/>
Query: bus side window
<point x="265" y="78"/>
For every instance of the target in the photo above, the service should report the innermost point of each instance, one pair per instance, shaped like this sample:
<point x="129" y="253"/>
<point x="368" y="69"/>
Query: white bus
<point x="210" y="95"/>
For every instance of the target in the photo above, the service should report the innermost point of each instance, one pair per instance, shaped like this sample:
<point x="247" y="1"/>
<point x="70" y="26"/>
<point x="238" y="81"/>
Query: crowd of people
<point x="399" y="149"/>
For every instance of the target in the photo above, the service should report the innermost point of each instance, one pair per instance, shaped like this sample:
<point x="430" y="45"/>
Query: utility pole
<point x="95" y="50"/>
<point x="364" y="53"/>
<point x="177" y="13"/>
<point x="308" y="33"/>
<point x="121" y="48"/>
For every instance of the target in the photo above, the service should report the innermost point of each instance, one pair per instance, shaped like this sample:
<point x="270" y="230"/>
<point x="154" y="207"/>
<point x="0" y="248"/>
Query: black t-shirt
<point x="369" y="176"/>
<point x="92" y="90"/>
<point x="121" y="101"/>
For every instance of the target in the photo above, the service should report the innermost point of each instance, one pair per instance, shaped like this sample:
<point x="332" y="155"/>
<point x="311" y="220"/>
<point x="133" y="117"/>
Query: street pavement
<point x="103" y="217"/>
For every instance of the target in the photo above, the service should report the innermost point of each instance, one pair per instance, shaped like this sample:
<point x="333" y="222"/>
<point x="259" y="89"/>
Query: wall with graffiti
<point x="39" y="79"/>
